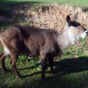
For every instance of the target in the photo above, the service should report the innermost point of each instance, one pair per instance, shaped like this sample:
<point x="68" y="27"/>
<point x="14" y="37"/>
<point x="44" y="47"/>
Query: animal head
<point x="75" y="29"/>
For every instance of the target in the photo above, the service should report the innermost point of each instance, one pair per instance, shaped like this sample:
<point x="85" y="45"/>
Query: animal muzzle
<point x="87" y="33"/>
<point x="84" y="34"/>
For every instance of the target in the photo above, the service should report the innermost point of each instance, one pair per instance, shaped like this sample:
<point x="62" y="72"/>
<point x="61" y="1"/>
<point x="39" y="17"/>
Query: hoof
<point x="43" y="77"/>
<point x="19" y="76"/>
<point x="53" y="72"/>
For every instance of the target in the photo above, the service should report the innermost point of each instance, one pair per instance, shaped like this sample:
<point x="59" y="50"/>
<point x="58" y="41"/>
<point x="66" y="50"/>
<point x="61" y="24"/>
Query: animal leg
<point x="13" y="62"/>
<point x="51" y="63"/>
<point x="2" y="60"/>
<point x="43" y="62"/>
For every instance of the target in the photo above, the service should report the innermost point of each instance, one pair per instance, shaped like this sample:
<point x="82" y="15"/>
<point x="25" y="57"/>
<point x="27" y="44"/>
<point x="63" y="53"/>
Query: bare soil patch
<point x="54" y="16"/>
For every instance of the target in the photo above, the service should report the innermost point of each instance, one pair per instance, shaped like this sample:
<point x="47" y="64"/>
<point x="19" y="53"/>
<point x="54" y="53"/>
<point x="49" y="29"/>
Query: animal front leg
<point x="43" y="67"/>
<point x="51" y="63"/>
<point x="43" y="62"/>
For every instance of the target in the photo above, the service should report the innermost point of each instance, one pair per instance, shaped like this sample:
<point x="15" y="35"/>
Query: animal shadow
<point x="65" y="66"/>
<point x="72" y="65"/>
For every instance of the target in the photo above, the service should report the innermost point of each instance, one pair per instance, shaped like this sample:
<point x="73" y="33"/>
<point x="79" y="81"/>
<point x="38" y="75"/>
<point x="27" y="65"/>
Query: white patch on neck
<point x="71" y="37"/>
<point x="65" y="39"/>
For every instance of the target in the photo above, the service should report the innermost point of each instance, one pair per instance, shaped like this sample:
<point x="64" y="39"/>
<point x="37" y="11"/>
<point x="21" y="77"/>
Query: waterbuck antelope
<point x="31" y="41"/>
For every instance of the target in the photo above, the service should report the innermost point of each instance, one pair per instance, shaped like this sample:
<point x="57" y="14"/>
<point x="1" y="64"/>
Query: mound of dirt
<point x="54" y="16"/>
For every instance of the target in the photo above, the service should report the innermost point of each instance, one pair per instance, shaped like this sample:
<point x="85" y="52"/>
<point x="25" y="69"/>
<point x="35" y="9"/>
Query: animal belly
<point x="34" y="52"/>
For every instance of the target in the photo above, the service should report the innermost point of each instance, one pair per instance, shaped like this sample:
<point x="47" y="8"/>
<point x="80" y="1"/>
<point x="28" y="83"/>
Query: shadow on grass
<point x="67" y="66"/>
<point x="72" y="65"/>
<point x="63" y="67"/>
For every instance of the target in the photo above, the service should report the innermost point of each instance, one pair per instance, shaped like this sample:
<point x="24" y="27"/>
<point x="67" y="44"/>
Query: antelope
<point x="30" y="41"/>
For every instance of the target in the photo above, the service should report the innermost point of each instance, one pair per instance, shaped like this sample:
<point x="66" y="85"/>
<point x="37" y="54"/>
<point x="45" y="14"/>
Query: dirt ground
<point x="54" y="16"/>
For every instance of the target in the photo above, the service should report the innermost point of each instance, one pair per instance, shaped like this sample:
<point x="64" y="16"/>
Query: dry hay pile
<point x="54" y="16"/>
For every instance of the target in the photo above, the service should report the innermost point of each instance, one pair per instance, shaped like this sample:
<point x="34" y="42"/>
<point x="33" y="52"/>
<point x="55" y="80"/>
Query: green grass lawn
<point x="71" y="72"/>
<point x="81" y="3"/>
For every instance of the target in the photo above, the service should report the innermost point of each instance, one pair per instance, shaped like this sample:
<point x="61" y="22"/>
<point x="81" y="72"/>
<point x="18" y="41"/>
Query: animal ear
<point x="68" y="19"/>
<point x="75" y="16"/>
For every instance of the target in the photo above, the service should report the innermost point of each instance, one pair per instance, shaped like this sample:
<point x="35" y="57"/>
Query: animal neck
<point x="66" y="38"/>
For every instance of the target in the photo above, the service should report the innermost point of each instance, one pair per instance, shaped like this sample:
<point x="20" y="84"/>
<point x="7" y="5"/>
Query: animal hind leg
<point x="2" y="61"/>
<point x="13" y="62"/>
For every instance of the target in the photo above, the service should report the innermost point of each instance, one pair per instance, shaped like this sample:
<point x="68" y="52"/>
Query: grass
<point x="81" y="3"/>
<point x="71" y="72"/>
